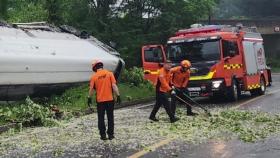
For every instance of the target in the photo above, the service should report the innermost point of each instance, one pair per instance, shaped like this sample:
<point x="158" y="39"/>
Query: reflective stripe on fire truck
<point x="155" y="72"/>
<point x="254" y="86"/>
<point x="192" y="78"/>
<point x="206" y="77"/>
<point x="232" y="66"/>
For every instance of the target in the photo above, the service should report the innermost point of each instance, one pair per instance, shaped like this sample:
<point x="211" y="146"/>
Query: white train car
<point x="36" y="58"/>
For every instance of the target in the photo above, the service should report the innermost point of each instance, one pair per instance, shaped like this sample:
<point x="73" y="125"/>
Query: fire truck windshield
<point x="195" y="51"/>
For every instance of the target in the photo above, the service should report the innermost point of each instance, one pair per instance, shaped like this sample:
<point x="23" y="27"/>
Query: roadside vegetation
<point x="27" y="113"/>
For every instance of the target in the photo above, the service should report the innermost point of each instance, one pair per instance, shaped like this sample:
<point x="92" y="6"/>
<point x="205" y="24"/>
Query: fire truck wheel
<point x="233" y="91"/>
<point x="261" y="90"/>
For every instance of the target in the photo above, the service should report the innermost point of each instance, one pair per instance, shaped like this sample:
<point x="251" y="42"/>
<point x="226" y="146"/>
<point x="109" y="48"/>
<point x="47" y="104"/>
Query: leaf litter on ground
<point x="224" y="124"/>
<point x="135" y="132"/>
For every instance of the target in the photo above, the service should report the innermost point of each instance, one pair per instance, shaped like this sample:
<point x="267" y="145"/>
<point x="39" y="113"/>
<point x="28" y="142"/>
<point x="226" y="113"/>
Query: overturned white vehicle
<point x="37" y="58"/>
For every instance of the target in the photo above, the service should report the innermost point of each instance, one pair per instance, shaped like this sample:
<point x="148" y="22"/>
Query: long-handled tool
<point x="205" y="110"/>
<point x="196" y="103"/>
<point x="182" y="100"/>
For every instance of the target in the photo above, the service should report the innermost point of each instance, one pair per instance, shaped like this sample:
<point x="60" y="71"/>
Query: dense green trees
<point x="26" y="11"/>
<point x="3" y="8"/>
<point x="127" y="23"/>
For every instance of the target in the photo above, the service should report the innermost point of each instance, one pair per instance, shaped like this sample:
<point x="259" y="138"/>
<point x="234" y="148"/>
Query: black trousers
<point x="174" y="100"/>
<point x="162" y="99"/>
<point x="107" y="107"/>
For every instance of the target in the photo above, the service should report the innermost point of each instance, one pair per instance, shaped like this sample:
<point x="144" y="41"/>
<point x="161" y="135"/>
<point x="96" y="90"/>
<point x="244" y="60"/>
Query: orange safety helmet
<point x="186" y="64"/>
<point x="96" y="64"/>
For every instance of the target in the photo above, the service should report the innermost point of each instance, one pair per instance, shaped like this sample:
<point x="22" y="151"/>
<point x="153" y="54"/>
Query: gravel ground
<point x="80" y="138"/>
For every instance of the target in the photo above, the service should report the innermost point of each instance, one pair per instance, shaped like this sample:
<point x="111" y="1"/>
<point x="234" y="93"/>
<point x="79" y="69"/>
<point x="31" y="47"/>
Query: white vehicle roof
<point x="38" y="53"/>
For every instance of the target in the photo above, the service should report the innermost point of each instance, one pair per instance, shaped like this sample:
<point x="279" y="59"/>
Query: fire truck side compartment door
<point x="152" y="58"/>
<point x="260" y="56"/>
<point x="250" y="57"/>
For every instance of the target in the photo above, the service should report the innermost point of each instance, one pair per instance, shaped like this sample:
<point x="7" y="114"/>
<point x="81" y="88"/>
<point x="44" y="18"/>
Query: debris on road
<point x="135" y="132"/>
<point x="80" y="136"/>
<point x="248" y="126"/>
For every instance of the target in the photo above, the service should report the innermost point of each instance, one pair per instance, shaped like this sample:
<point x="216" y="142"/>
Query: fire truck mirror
<point x="227" y="58"/>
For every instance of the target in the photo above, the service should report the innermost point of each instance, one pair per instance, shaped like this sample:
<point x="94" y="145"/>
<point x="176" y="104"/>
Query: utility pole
<point x="209" y="16"/>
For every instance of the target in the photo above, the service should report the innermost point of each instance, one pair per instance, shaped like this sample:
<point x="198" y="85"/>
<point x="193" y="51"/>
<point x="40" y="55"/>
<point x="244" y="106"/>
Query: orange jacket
<point x="164" y="80"/>
<point x="179" y="79"/>
<point x="102" y="82"/>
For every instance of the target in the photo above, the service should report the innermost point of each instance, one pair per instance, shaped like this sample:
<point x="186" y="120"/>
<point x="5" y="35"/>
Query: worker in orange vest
<point x="163" y="91"/>
<point x="180" y="79"/>
<point x="104" y="83"/>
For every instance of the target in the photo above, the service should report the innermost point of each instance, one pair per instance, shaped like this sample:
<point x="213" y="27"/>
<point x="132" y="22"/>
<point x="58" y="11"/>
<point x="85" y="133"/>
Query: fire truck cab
<point x="226" y="60"/>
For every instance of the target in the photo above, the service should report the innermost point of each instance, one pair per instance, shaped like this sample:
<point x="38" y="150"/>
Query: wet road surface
<point x="268" y="148"/>
<point x="80" y="138"/>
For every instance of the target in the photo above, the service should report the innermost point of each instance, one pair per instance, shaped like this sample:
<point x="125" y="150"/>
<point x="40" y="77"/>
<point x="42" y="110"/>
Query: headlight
<point x="216" y="84"/>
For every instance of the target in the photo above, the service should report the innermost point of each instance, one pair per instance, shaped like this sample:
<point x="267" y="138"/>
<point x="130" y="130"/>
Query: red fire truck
<point x="226" y="60"/>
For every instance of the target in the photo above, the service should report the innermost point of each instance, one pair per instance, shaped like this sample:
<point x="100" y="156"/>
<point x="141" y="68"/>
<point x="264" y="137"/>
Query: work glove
<point x="173" y="92"/>
<point x="118" y="100"/>
<point x="89" y="101"/>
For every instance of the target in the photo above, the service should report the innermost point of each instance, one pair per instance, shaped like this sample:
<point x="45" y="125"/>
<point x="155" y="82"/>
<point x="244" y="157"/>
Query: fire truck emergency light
<point x="204" y="29"/>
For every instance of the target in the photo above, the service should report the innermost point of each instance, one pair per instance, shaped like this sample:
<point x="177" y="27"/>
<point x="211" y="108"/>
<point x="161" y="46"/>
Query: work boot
<point x="111" y="137"/>
<point x="191" y="113"/>
<point x="174" y="119"/>
<point x="153" y="119"/>
<point x="103" y="137"/>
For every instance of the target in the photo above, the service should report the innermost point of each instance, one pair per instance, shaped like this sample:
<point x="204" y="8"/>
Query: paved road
<point x="134" y="137"/>
<point x="269" y="147"/>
